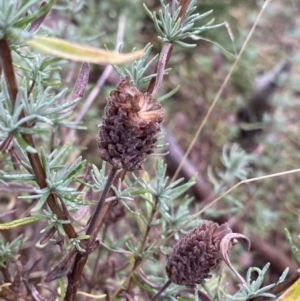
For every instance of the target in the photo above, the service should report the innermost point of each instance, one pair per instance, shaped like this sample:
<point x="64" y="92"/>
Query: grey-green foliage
<point x="59" y="175"/>
<point x="293" y="247"/>
<point x="132" y="189"/>
<point x="39" y="68"/>
<point x="6" y="249"/>
<point x="10" y="117"/>
<point x="76" y="242"/>
<point x="158" y="195"/>
<point x="176" y="217"/>
<point x="14" y="18"/>
<point x="253" y="287"/>
<point x="160" y="189"/>
<point x="172" y="29"/>
<point x="42" y="107"/>
<point x="135" y="249"/>
<point x="124" y="195"/>
<point x="53" y="221"/>
<point x="72" y="6"/>
<point x="136" y="69"/>
<point x="99" y="177"/>
<point x="236" y="166"/>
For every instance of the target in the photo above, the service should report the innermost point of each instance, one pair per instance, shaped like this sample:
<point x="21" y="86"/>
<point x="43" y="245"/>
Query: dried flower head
<point x="196" y="254"/>
<point x="130" y="126"/>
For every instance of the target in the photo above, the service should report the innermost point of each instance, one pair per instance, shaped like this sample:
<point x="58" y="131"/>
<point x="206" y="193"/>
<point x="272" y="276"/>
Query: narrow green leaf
<point x="293" y="247"/>
<point x="43" y="9"/>
<point x="19" y="177"/>
<point x="168" y="95"/>
<point x="214" y="43"/>
<point x="40" y="202"/>
<point x="186" y="45"/>
<point x="24" y="144"/>
<point x="81" y="53"/>
<point x="57" y="157"/>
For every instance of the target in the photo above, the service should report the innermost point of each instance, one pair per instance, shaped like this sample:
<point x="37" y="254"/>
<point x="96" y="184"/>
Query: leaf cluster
<point x="253" y="287"/>
<point x="13" y="19"/>
<point x="7" y="248"/>
<point x="173" y="29"/>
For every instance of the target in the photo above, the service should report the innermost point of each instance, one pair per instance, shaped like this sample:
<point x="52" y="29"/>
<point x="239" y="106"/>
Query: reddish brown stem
<point x="164" y="57"/>
<point x="102" y="208"/>
<point x="95" y="223"/>
<point x="8" y="69"/>
<point x="184" y="5"/>
<point x="5" y="143"/>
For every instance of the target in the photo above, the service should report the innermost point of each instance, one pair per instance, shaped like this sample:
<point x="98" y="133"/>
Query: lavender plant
<point x="100" y="230"/>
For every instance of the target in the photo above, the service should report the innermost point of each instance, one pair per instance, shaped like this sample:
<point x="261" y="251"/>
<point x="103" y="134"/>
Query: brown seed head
<point x="130" y="126"/>
<point x="196" y="254"/>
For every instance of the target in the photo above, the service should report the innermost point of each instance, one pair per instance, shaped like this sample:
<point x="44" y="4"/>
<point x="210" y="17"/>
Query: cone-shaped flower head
<point x="130" y="126"/>
<point x="196" y="254"/>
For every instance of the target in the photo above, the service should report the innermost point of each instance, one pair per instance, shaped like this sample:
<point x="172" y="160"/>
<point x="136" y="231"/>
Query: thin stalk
<point x="164" y="56"/>
<point x="161" y="290"/>
<point x="141" y="249"/>
<point x="74" y="278"/>
<point x="94" y="225"/>
<point x="148" y="227"/>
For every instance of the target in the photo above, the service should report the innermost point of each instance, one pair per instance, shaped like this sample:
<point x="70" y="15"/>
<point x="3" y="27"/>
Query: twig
<point x="162" y="289"/>
<point x="74" y="277"/>
<point x="94" y="225"/>
<point x="161" y="66"/>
